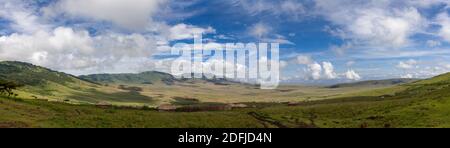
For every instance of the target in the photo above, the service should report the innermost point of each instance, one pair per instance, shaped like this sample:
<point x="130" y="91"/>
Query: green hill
<point x="28" y="74"/>
<point x="46" y="84"/>
<point x="374" y="83"/>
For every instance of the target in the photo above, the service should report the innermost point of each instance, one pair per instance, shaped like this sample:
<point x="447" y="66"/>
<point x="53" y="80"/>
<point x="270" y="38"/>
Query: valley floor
<point x="424" y="105"/>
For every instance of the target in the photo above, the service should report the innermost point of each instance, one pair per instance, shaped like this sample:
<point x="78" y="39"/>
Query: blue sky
<point x="322" y="41"/>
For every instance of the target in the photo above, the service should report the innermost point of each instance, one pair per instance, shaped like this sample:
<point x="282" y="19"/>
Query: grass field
<point x="52" y="99"/>
<point x="154" y="89"/>
<point x="155" y="95"/>
<point x="421" y="104"/>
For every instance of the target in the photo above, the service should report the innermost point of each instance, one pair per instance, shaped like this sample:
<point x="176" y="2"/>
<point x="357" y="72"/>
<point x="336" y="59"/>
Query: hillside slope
<point x="46" y="84"/>
<point x="28" y="74"/>
<point x="424" y="103"/>
<point x="374" y="83"/>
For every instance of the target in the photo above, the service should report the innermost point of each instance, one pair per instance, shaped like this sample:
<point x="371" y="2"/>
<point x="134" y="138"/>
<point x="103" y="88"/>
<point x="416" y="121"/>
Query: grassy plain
<point x="421" y="104"/>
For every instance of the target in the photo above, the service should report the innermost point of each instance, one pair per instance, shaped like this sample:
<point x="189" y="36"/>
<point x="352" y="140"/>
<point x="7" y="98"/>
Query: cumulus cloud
<point x="328" y="70"/>
<point x="22" y="16"/>
<point x="315" y="71"/>
<point x="352" y="75"/>
<point x="373" y="22"/>
<point x="68" y="49"/>
<point x="407" y="64"/>
<point x="131" y="14"/>
<point x="39" y="40"/>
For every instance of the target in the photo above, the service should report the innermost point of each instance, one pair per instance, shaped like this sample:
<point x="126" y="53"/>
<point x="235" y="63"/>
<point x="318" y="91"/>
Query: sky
<point x="321" y="41"/>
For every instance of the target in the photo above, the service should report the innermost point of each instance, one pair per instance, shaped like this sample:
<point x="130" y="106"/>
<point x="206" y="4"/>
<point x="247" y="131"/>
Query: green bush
<point x="6" y="88"/>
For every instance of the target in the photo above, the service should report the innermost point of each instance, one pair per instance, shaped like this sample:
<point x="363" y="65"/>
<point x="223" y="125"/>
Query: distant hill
<point x="151" y="77"/>
<point x="388" y="82"/>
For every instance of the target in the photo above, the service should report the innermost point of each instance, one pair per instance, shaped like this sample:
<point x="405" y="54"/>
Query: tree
<point x="6" y="88"/>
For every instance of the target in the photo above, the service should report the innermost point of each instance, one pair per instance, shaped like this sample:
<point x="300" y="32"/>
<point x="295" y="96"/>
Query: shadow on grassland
<point x="95" y="96"/>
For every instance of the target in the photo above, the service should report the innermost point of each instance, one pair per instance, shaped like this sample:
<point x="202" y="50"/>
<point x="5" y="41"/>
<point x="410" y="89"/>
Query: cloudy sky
<point x="321" y="40"/>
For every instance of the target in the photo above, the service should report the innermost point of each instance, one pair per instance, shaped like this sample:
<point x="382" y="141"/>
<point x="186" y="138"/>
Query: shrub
<point x="6" y="88"/>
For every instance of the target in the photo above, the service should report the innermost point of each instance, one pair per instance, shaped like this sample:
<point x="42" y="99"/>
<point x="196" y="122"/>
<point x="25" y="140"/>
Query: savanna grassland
<point x="74" y="102"/>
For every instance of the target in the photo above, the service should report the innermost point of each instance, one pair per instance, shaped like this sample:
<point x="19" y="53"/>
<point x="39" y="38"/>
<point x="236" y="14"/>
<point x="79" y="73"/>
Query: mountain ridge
<point x="29" y="74"/>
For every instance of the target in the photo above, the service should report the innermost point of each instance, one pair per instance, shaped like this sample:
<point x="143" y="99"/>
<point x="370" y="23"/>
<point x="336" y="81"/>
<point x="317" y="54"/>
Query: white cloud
<point x="67" y="49"/>
<point x="291" y="9"/>
<point x="407" y="76"/>
<point x="260" y="30"/>
<point x="21" y="15"/>
<point x="315" y="71"/>
<point x="407" y="64"/>
<point x="427" y="3"/>
<point x="352" y="75"/>
<point x="184" y="31"/>
<point x="373" y="22"/>
<point x="74" y="50"/>
<point x="444" y="21"/>
<point x="447" y="66"/>
<point x="265" y="33"/>
<point x="328" y="70"/>
<point x="341" y="50"/>
<point x="304" y="60"/>
<point x="283" y="64"/>
<point x="131" y="14"/>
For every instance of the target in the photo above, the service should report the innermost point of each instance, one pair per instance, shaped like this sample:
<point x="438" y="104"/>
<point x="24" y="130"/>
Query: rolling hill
<point x="374" y="83"/>
<point x="151" y="77"/>
<point x="46" y="84"/>
<point x="28" y="74"/>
